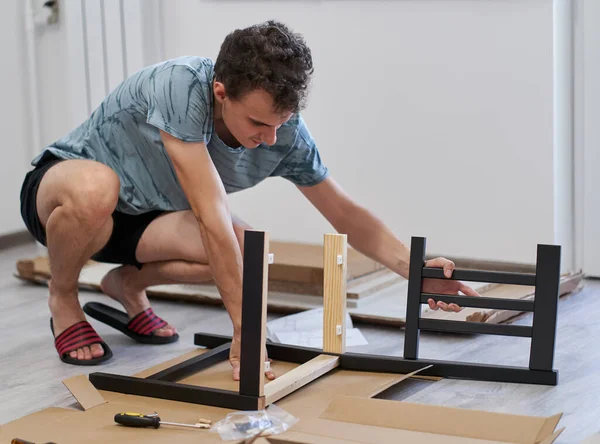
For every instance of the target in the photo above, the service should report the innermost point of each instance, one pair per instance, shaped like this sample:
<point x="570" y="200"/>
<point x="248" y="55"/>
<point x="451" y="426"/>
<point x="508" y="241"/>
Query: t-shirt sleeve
<point x="177" y="104"/>
<point x="302" y="165"/>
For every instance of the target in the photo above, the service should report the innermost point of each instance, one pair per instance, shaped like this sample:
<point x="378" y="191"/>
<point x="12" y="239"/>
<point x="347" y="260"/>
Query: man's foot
<point x="117" y="285"/>
<point x="66" y="312"/>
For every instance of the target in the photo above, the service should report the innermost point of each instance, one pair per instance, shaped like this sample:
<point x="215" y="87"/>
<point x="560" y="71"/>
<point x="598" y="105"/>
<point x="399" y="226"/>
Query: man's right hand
<point x="234" y="359"/>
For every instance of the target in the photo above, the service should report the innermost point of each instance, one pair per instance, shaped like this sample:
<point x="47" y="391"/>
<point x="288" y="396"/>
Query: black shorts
<point x="127" y="229"/>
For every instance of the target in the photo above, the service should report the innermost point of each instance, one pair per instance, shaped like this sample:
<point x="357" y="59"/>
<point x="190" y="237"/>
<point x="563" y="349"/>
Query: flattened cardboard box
<point x="363" y="420"/>
<point x="96" y="423"/>
<point x="335" y="408"/>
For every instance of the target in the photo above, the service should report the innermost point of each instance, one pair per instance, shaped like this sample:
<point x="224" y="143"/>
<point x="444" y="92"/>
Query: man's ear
<point x="219" y="90"/>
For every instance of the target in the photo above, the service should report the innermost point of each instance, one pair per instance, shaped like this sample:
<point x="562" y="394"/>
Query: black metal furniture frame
<point x="251" y="393"/>
<point x="546" y="280"/>
<point x="252" y="363"/>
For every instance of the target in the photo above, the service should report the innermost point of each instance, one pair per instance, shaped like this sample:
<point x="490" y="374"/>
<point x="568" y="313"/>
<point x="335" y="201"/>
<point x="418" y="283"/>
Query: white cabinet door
<point x="14" y="116"/>
<point x="591" y="137"/>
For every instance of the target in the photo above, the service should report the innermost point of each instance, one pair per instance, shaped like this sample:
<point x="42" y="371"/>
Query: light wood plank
<point x="371" y="283"/>
<point x="334" y="293"/>
<point x="303" y="263"/>
<point x="299" y="377"/>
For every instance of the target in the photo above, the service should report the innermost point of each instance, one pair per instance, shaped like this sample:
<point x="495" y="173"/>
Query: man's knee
<point x="88" y="190"/>
<point x="95" y="198"/>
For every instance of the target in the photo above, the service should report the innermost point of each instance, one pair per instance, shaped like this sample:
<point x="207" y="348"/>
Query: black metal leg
<point x="253" y="318"/>
<point x="413" y="303"/>
<point x="174" y="391"/>
<point x="545" y="307"/>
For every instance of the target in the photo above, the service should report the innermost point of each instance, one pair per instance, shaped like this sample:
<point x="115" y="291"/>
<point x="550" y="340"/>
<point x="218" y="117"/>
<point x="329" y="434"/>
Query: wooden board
<point x="296" y="262"/>
<point x="359" y="286"/>
<point x="334" y="298"/>
<point x="384" y="307"/>
<point x="299" y="377"/>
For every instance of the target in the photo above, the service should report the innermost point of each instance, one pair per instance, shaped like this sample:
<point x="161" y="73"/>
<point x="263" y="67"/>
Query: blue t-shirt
<point x="176" y="96"/>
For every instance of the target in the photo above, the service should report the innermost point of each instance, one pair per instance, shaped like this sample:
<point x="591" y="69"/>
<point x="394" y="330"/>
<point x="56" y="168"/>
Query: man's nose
<point x="269" y="136"/>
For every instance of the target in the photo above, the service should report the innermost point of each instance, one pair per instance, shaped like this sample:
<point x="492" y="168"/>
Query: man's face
<point x="251" y="119"/>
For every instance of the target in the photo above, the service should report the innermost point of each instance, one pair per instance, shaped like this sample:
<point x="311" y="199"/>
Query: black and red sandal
<point x="79" y="335"/>
<point x="141" y="327"/>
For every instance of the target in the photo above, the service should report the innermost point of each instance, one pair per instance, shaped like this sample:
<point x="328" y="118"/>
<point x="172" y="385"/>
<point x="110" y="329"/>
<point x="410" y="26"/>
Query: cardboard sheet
<point x="333" y="409"/>
<point x="96" y="424"/>
<point x="83" y="390"/>
<point x="442" y="420"/>
<point x="363" y="420"/>
<point x="320" y="431"/>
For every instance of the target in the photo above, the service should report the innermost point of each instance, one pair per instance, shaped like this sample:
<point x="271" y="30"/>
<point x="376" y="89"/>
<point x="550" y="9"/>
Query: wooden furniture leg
<point x="334" y="323"/>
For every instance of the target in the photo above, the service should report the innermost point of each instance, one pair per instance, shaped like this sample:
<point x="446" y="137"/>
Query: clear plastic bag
<point x="246" y="424"/>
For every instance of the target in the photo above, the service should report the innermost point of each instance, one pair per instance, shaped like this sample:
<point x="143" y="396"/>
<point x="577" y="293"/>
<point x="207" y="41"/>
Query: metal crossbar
<point x="481" y="302"/>
<point x="482" y="276"/>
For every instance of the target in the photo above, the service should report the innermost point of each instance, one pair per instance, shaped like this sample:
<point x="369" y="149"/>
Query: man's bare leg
<point x="171" y="252"/>
<point x="127" y="285"/>
<point x="75" y="201"/>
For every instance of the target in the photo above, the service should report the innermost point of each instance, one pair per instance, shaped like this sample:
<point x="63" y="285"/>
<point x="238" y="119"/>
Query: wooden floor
<point x="31" y="373"/>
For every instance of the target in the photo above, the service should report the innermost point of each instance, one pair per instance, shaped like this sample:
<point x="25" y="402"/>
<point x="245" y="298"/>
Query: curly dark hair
<point x="267" y="56"/>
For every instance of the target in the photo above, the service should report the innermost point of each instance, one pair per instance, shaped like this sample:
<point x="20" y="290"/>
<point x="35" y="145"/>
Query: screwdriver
<point x="140" y="420"/>
<point x="22" y="441"/>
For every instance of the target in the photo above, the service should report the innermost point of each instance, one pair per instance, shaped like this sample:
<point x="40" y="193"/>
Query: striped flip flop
<point x="141" y="327"/>
<point x="79" y="335"/>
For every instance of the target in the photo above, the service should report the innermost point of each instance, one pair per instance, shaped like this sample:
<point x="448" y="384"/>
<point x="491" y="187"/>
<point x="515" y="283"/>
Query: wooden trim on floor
<point x="16" y="239"/>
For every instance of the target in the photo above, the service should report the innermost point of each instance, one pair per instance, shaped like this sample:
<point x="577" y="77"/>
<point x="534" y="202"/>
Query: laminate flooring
<point x="31" y="373"/>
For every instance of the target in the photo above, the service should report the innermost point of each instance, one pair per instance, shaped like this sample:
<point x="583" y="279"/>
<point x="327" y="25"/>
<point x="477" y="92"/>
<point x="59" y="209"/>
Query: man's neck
<point x="220" y="127"/>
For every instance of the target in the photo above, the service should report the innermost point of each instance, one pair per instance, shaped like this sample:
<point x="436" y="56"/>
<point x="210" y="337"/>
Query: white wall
<point x="446" y="98"/>
<point x="16" y="123"/>
<point x="61" y="93"/>
<point x="437" y="115"/>
<point x="14" y="116"/>
<point x="564" y="208"/>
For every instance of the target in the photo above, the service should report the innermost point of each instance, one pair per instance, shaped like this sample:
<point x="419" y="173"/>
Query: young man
<point x="143" y="183"/>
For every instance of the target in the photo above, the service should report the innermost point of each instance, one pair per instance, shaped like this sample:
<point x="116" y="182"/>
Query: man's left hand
<point x="441" y="286"/>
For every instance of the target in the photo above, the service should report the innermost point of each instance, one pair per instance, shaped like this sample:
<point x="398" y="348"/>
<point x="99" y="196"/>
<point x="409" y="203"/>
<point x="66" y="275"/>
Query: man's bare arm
<point x="369" y="235"/>
<point x="208" y="200"/>
<point x="366" y="233"/>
